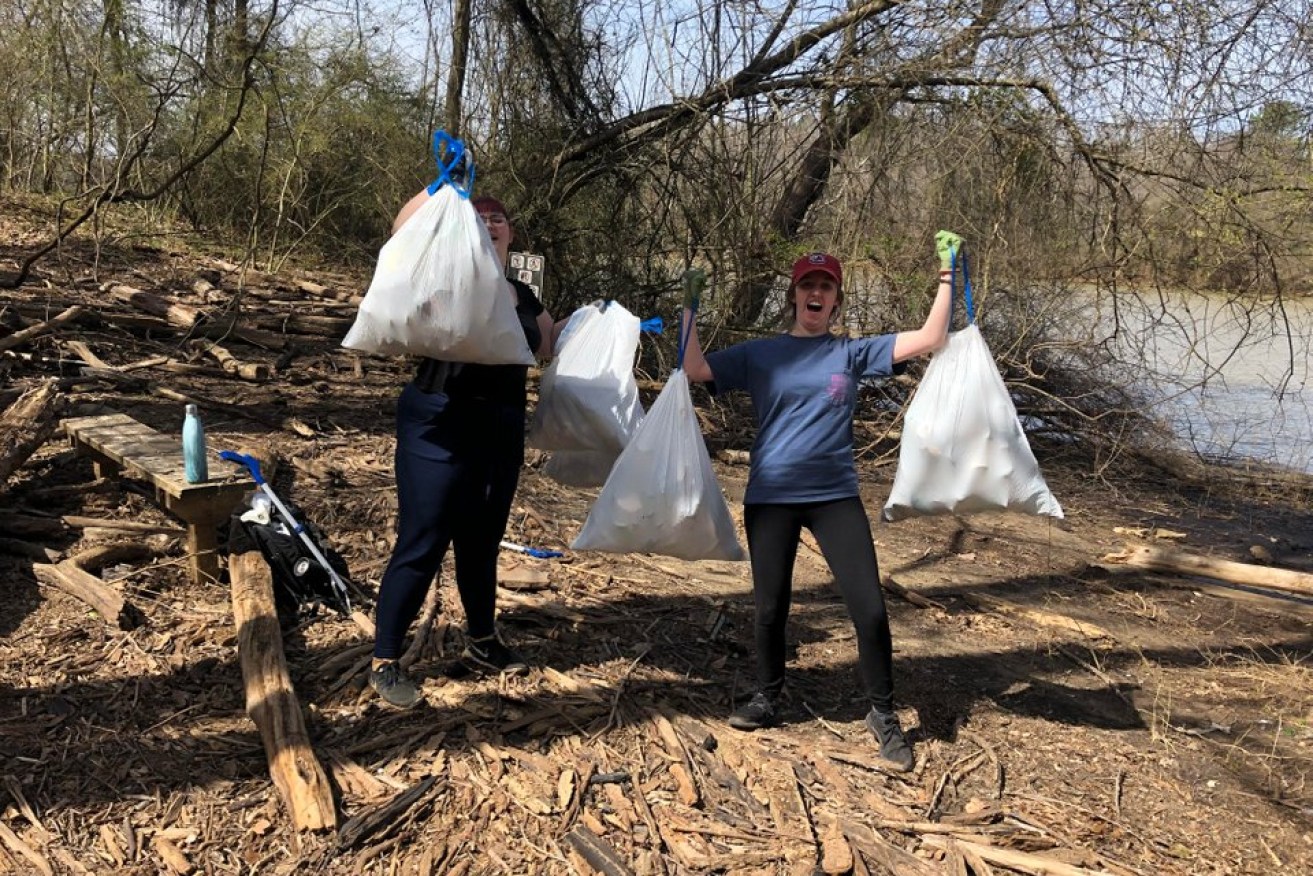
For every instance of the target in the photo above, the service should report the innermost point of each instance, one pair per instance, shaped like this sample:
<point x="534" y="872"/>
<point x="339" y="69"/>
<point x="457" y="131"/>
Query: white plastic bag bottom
<point x="589" y="398"/>
<point x="662" y="496"/>
<point x="963" y="449"/>
<point x="580" y="468"/>
<point x="438" y="290"/>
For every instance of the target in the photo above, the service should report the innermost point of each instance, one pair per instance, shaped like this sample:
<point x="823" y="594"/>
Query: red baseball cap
<point x="489" y="204"/>
<point x="817" y="262"/>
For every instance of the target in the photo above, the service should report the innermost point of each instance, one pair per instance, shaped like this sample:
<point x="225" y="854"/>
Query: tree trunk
<point x="460" y="50"/>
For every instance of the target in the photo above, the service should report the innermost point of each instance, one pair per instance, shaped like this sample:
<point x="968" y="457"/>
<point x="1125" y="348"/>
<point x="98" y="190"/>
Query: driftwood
<point x="270" y="700"/>
<point x="597" y="852"/>
<point x="27" y="334"/>
<point x="170" y="311"/>
<point x="122" y="525"/>
<point x="369" y="822"/>
<point x="31" y="526"/>
<point x="85" y="353"/>
<point x="33" y="551"/>
<point x="232" y="365"/>
<point x="1166" y="560"/>
<point x="918" y="599"/>
<point x="77" y="582"/>
<point x="26" y="425"/>
<point x="306" y="324"/>
<point x="1026" y="862"/>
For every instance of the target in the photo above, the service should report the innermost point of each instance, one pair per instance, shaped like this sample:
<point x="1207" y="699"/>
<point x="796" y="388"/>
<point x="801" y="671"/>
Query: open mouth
<point x="814" y="306"/>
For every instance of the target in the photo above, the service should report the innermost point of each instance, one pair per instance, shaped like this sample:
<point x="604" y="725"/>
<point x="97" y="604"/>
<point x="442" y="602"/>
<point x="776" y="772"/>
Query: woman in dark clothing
<point x="803" y="386"/>
<point x="460" y="445"/>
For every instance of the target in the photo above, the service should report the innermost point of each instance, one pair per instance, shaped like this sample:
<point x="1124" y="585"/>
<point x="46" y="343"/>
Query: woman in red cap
<point x="460" y="446"/>
<point x="803" y="386"/>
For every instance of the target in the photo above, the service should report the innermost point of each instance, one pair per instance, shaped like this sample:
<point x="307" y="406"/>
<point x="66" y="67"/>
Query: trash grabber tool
<point x="253" y="465"/>
<point x="537" y="553"/>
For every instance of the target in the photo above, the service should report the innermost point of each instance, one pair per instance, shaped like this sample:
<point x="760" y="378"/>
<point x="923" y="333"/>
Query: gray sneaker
<point x="493" y="656"/>
<point x="393" y="685"/>
<point x="893" y="744"/>
<point x="758" y="712"/>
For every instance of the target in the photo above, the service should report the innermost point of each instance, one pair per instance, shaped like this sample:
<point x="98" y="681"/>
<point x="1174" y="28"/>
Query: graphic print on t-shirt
<point x="837" y="391"/>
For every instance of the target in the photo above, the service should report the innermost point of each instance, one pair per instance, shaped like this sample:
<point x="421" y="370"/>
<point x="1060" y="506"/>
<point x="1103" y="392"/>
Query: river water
<point x="1232" y="378"/>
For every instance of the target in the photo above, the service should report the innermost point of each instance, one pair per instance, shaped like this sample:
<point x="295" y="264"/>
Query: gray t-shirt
<point x="803" y="391"/>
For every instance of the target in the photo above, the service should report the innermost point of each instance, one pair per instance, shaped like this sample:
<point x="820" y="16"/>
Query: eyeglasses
<point x="493" y="218"/>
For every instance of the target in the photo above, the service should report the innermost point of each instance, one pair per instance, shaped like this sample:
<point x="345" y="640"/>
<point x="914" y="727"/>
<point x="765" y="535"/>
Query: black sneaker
<point x="393" y="685"/>
<point x="758" y="712"/>
<point x="893" y="744"/>
<point x="492" y="655"/>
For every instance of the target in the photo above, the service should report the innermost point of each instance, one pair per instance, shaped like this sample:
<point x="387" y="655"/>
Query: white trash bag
<point x="439" y="290"/>
<point x="662" y="496"/>
<point x="963" y="449"/>
<point x="588" y="400"/>
<point x="580" y="468"/>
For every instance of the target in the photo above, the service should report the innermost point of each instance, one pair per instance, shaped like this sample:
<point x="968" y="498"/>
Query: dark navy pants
<point x="457" y="463"/>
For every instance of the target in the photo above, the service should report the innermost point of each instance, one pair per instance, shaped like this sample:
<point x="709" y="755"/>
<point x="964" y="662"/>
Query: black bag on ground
<point x="300" y="581"/>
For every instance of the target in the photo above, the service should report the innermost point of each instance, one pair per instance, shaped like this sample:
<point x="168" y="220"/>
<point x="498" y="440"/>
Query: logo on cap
<point x="817" y="258"/>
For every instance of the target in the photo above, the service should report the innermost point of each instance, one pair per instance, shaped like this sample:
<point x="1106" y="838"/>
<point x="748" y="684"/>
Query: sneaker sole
<point x="477" y="665"/>
<point x="740" y="724"/>
<point x="398" y="705"/>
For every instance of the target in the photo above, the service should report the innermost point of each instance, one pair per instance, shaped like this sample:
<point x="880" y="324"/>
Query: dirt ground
<point x="1067" y="717"/>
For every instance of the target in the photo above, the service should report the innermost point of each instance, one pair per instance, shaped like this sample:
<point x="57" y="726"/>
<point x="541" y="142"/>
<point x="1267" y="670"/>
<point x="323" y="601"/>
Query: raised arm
<point x="934" y="333"/>
<point x="407" y="211"/>
<point x="695" y="363"/>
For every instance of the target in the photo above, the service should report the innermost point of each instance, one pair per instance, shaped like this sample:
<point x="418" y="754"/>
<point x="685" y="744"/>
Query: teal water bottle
<point x="193" y="447"/>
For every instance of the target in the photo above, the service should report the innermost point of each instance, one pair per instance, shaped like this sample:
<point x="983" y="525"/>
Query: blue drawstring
<point x="966" y="285"/>
<point x="462" y="182"/>
<point x="685" y="331"/>
<point x="653" y="325"/>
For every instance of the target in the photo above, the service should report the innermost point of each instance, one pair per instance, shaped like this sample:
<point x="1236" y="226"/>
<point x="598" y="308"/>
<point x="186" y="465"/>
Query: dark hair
<point x="489" y="204"/>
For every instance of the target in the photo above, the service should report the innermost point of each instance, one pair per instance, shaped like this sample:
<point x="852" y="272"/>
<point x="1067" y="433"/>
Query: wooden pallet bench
<point x="120" y="445"/>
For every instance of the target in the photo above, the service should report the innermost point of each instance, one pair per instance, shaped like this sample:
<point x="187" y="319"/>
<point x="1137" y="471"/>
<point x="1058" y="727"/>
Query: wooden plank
<point x="141" y="451"/>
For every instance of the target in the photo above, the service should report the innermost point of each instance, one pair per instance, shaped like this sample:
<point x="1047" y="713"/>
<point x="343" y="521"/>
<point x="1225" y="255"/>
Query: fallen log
<point x="1026" y="862"/>
<point x="1166" y="560"/>
<point x="25" y="425"/>
<point x="79" y="522"/>
<point x="85" y="353"/>
<point x="32" y="331"/>
<point x="232" y="365"/>
<point x="19" y="548"/>
<point x="172" y="312"/>
<point x="270" y="699"/>
<point x="31" y="526"/>
<point x="72" y="579"/>
<point x="306" y="324"/>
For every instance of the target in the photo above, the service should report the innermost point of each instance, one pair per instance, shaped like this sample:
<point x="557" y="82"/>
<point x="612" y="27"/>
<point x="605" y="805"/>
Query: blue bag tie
<point x="685" y="331"/>
<point x="463" y="180"/>
<point x="653" y="325"/>
<point x="966" y="285"/>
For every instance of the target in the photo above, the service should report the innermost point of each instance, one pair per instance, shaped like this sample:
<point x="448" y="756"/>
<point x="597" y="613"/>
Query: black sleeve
<point x="527" y="300"/>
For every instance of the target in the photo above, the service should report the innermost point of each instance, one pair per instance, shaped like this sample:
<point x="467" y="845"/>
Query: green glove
<point x="695" y="280"/>
<point x="947" y="245"/>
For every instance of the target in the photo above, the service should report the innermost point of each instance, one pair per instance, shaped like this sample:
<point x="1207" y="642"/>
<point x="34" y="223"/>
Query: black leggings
<point x="843" y="532"/>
